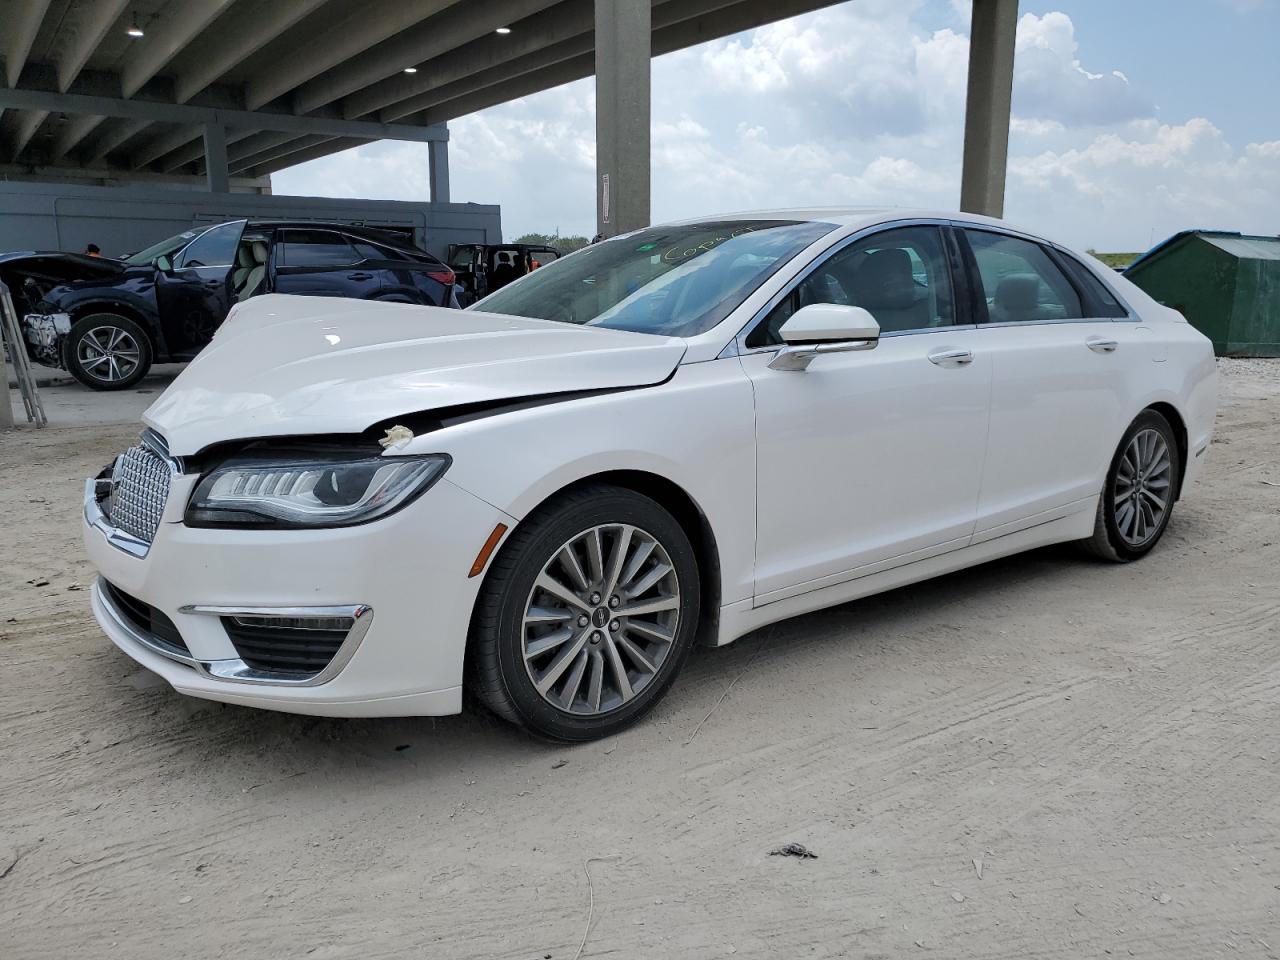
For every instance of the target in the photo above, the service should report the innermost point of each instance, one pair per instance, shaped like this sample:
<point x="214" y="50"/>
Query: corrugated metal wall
<point x="120" y="220"/>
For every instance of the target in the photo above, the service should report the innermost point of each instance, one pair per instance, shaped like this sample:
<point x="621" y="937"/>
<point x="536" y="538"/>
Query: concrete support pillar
<point x="215" y="158"/>
<point x="623" y="48"/>
<point x="438" y="160"/>
<point x="986" y="110"/>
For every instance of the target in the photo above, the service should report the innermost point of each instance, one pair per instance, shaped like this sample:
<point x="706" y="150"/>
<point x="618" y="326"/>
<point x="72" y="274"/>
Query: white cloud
<point x="1154" y="178"/>
<point x="860" y="103"/>
<point x="1049" y="82"/>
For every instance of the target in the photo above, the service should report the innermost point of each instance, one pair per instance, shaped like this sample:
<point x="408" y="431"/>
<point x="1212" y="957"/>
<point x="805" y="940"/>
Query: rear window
<point x="315" y="248"/>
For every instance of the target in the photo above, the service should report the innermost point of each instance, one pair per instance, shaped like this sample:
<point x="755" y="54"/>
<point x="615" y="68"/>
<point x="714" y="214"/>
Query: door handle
<point x="1102" y="344"/>
<point x="359" y="276"/>
<point x="951" y="358"/>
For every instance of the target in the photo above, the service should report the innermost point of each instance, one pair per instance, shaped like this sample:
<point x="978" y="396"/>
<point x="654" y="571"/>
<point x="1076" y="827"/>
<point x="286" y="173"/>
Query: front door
<point x="871" y="459"/>
<point x="195" y="293"/>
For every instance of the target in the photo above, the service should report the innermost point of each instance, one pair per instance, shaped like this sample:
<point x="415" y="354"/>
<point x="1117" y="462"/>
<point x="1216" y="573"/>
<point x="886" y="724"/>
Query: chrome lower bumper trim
<point x="235" y="670"/>
<point x="122" y="623"/>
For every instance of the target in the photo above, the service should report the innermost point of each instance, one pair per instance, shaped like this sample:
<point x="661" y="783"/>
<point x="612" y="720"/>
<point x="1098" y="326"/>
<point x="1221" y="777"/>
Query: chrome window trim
<point x="1045" y="323"/>
<point x="1063" y="251"/>
<point x="738" y="345"/>
<point x="235" y="670"/>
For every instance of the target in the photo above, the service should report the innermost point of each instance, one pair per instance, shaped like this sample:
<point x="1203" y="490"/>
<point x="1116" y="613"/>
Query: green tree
<point x="561" y="245"/>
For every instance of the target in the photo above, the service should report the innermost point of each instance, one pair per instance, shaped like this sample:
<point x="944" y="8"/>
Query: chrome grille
<point x="139" y="488"/>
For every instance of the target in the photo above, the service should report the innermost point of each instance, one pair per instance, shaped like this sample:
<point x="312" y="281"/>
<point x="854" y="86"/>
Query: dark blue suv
<point x="106" y="321"/>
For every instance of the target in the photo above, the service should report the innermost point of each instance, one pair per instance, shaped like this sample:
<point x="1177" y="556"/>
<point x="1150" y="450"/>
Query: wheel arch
<point x="1179" y="425"/>
<point x="128" y="311"/>
<point x="681" y="505"/>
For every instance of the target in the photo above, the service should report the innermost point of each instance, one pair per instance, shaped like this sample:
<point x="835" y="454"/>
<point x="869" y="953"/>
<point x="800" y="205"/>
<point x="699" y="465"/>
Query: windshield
<point x="165" y="248"/>
<point x="673" y="280"/>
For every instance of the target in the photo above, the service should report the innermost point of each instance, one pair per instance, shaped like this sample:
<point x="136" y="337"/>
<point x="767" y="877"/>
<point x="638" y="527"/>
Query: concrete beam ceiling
<point x="316" y="72"/>
<point x="25" y="18"/>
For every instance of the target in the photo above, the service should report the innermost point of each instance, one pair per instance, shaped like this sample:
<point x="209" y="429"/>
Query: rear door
<point x="1058" y="399"/>
<point x="409" y="276"/>
<point x="195" y="294"/>
<point x="541" y="256"/>
<point x="322" y="263"/>
<point x="504" y="265"/>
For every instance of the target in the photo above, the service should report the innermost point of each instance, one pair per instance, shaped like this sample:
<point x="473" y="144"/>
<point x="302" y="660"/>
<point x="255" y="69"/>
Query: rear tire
<point x="571" y="663"/>
<point x="1137" y="498"/>
<point x="106" y="351"/>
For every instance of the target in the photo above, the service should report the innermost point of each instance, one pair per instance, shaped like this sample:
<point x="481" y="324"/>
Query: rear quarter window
<point x="1101" y="301"/>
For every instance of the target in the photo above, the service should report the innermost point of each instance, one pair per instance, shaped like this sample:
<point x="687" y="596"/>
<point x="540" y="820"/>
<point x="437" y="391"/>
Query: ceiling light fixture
<point x="135" y="31"/>
<point x="503" y="30"/>
<point x="410" y="69"/>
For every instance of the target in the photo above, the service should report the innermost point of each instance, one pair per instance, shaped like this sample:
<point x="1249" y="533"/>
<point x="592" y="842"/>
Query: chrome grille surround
<point x="131" y="494"/>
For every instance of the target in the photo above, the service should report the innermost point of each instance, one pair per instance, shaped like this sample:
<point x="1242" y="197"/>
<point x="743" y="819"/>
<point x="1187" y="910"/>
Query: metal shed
<point x="1227" y="284"/>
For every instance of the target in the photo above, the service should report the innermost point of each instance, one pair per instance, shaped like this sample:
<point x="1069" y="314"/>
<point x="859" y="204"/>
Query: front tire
<point x="586" y="616"/>
<point x="1141" y="486"/>
<point x="106" y="351"/>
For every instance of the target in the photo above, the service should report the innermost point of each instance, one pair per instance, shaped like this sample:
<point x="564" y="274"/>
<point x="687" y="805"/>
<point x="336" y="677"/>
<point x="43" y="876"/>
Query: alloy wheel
<point x="108" y="353"/>
<point x="601" y="619"/>
<point x="1143" y="487"/>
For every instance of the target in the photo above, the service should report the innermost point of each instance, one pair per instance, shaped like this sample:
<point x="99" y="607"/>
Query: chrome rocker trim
<point x="235" y="670"/>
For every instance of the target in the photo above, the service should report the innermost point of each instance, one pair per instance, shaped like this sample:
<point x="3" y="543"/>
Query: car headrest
<point x="883" y="280"/>
<point x="1018" y="293"/>
<point x="244" y="256"/>
<point x="259" y="251"/>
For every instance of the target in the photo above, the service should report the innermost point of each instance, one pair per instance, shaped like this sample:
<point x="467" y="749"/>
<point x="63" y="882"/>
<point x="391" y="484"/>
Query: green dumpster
<point x="1226" y="284"/>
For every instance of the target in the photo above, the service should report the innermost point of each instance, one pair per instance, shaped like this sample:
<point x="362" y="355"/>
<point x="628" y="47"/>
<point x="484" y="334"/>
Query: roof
<point x="1243" y="246"/>
<point x="292" y="80"/>
<point x="1248" y="248"/>
<point x="850" y="216"/>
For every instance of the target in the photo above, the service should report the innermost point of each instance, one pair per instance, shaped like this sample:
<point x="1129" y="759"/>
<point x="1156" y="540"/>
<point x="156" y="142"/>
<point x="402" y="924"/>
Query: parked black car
<point x="484" y="268"/>
<point x="106" y="321"/>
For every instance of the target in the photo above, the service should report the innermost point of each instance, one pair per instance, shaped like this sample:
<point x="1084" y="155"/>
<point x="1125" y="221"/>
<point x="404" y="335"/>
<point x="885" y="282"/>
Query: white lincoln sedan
<point x="680" y="434"/>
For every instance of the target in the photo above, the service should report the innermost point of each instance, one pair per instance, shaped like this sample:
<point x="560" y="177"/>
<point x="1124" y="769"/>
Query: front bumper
<point x="407" y="573"/>
<point x="44" y="333"/>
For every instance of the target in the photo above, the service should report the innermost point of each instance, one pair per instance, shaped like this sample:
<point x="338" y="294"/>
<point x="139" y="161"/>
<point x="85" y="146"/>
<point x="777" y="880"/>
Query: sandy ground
<point x="1041" y="757"/>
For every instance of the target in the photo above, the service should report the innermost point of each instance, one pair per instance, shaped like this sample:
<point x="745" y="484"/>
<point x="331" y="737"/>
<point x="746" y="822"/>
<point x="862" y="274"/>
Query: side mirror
<point x="824" y="328"/>
<point x="164" y="264"/>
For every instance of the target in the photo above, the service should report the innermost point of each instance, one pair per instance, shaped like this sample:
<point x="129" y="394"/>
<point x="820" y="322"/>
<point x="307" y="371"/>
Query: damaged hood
<point x="289" y="366"/>
<point x="56" y="267"/>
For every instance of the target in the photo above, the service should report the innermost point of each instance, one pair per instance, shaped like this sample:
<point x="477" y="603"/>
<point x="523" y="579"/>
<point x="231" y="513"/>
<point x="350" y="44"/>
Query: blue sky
<point x="1132" y="119"/>
<point x="1197" y="58"/>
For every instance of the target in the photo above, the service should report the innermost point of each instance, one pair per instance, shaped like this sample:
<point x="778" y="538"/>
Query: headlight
<point x="310" y="491"/>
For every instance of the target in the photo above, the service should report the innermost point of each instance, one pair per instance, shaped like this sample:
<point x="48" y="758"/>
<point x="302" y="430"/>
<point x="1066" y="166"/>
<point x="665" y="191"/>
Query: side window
<point x="901" y="276"/>
<point x="1020" y="282"/>
<point x="371" y="251"/>
<point x="314" y="248"/>
<point x="1104" y="302"/>
<point x="215" y="247"/>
